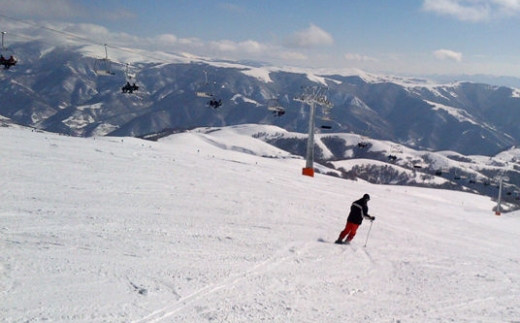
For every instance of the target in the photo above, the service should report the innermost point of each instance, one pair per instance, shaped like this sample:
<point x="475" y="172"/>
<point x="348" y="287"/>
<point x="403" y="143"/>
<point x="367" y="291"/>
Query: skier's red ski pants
<point x="350" y="230"/>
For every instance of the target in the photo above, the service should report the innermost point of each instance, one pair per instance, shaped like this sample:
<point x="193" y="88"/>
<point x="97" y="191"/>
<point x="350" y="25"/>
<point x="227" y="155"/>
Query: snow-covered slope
<point x="198" y="227"/>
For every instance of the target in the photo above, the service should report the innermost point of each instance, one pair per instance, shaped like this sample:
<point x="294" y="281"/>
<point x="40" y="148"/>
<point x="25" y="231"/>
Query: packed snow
<point x="214" y="225"/>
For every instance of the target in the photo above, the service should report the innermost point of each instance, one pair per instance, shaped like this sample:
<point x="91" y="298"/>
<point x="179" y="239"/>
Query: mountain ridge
<point x="56" y="89"/>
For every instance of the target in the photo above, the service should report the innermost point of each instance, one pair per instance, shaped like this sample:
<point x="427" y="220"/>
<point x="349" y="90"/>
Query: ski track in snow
<point x="227" y="283"/>
<point x="187" y="230"/>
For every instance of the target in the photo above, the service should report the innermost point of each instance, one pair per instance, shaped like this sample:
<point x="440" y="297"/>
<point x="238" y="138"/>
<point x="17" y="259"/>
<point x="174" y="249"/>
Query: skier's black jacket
<point x="358" y="210"/>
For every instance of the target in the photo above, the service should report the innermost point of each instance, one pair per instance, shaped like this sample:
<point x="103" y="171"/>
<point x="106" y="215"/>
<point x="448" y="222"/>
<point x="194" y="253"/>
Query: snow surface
<point x="459" y="114"/>
<point x="260" y="73"/>
<point x="200" y="228"/>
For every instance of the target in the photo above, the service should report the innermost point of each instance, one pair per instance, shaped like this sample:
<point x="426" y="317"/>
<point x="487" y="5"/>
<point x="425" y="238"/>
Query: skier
<point x="358" y="211"/>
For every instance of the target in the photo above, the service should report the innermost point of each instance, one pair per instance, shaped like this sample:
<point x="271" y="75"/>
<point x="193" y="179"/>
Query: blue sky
<point x="405" y="37"/>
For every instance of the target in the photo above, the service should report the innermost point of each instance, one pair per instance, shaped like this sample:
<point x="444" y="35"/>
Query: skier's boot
<point x="338" y="241"/>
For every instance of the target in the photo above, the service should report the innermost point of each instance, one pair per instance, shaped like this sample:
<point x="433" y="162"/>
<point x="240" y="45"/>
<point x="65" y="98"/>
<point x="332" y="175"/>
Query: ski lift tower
<point x="501" y="178"/>
<point x="312" y="96"/>
<point x="3" y="34"/>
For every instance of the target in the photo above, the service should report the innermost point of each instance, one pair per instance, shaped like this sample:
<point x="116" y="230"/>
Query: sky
<point x="408" y="37"/>
<point x="198" y="227"/>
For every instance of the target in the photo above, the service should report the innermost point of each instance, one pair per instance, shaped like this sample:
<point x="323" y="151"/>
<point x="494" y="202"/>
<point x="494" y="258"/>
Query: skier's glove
<point x="372" y="218"/>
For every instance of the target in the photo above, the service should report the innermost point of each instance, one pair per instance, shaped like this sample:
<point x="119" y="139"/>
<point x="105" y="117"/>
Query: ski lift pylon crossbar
<point x="314" y="95"/>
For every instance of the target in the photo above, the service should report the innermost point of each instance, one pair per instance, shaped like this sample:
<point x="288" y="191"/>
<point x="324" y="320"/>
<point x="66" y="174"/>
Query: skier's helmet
<point x="366" y="197"/>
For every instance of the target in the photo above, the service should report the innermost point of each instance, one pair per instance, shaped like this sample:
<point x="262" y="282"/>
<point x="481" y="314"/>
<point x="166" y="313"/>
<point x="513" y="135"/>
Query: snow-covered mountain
<point x="215" y="225"/>
<point x="56" y="89"/>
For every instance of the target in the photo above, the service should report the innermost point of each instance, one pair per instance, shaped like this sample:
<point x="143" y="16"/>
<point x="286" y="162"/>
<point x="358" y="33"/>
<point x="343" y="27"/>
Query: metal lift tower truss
<point x="313" y="96"/>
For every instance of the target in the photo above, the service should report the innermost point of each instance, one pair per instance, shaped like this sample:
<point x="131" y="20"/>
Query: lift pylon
<point x="312" y="96"/>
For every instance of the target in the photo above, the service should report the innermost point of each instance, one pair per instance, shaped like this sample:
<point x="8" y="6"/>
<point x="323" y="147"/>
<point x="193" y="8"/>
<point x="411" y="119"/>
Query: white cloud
<point x="169" y="39"/>
<point x="358" y="57"/>
<point x="473" y="10"/>
<point x="233" y="8"/>
<point x="508" y="7"/>
<point x="460" y="9"/>
<point x="85" y="29"/>
<point x="251" y="46"/>
<point x="310" y="37"/>
<point x="190" y="42"/>
<point x="224" y="45"/>
<point x="291" y="56"/>
<point x="228" y="46"/>
<point x="446" y="54"/>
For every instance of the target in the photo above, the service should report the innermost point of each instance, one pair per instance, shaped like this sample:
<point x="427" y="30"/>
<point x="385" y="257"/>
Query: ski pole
<point x="371" y="222"/>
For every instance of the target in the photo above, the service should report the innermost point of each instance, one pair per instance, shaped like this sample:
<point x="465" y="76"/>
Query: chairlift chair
<point x="6" y="55"/>
<point x="362" y="144"/>
<point x="214" y="103"/>
<point x="394" y="150"/>
<point x="130" y="73"/>
<point x="392" y="157"/>
<point x="456" y="176"/>
<point x="275" y="107"/>
<point x="279" y="112"/>
<point x="103" y="66"/>
<point x="129" y="88"/>
<point x="7" y="62"/>
<point x="130" y="85"/>
<point x="364" y="138"/>
<point x="326" y="119"/>
<point x="204" y="92"/>
<point x="442" y="170"/>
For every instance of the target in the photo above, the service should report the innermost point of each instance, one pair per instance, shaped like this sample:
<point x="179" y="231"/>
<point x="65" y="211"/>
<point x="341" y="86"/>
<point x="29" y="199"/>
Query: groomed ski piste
<point x="213" y="225"/>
